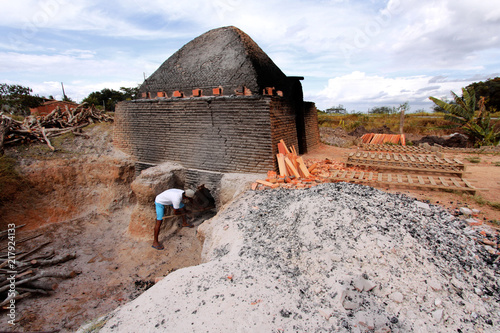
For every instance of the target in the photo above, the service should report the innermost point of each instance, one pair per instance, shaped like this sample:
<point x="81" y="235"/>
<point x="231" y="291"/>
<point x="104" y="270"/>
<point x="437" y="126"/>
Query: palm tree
<point x="463" y="112"/>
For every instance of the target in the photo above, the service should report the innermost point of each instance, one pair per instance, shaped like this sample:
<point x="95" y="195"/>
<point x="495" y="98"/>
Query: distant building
<point x="50" y="105"/>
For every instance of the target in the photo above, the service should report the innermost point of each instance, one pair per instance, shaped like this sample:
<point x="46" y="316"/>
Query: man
<point x="172" y="197"/>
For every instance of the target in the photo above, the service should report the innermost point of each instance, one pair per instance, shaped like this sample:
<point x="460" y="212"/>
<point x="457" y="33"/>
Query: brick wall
<point x="282" y="125"/>
<point x="221" y="134"/>
<point x="225" y="134"/>
<point x="311" y="123"/>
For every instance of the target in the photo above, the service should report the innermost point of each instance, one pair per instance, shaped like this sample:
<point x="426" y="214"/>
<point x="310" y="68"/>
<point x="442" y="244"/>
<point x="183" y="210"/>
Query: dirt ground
<point x="115" y="269"/>
<point x="485" y="176"/>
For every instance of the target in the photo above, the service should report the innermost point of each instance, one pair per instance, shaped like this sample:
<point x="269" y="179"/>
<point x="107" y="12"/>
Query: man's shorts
<point x="160" y="210"/>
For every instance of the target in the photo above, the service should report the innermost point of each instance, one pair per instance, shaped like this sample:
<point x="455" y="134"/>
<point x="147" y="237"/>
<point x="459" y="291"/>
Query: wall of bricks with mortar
<point x="282" y="125"/>
<point x="224" y="134"/>
<point x="311" y="125"/>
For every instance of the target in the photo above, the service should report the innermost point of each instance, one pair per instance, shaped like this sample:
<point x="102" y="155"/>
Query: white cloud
<point x="402" y="44"/>
<point x="357" y="89"/>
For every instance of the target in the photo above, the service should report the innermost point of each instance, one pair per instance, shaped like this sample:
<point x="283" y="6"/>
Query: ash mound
<point x="337" y="258"/>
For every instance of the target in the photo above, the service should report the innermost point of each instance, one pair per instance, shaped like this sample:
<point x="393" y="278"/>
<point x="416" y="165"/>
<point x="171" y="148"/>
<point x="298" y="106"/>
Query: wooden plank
<point x="443" y="181"/>
<point x="282" y="164"/>
<point x="343" y="174"/>
<point x="284" y="147"/>
<point x="291" y="167"/>
<point x="266" y="183"/>
<point x="454" y="181"/>
<point x="303" y="168"/>
<point x="420" y="180"/>
<point x="431" y="179"/>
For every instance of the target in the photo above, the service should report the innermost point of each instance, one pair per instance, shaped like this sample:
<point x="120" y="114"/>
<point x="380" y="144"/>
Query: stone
<point x="422" y="205"/>
<point x="465" y="211"/>
<point x="437" y="315"/>
<point x="348" y="305"/>
<point x="397" y="297"/>
<point x="435" y="285"/>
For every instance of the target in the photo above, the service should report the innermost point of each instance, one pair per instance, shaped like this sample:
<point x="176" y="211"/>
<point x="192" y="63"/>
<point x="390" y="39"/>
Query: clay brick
<point x="178" y="93"/>
<point x="197" y="92"/>
<point x="217" y="91"/>
<point x="161" y="94"/>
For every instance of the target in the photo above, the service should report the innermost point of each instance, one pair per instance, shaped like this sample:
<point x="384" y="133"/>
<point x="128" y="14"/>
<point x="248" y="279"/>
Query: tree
<point x="109" y="97"/>
<point x="463" y="112"/>
<point x="490" y="90"/>
<point x="340" y="109"/>
<point x="381" y="110"/>
<point x="17" y="99"/>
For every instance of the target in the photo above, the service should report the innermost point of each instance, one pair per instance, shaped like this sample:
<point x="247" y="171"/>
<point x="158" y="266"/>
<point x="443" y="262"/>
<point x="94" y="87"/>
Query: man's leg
<point x="160" y="211"/>
<point x="157" y="244"/>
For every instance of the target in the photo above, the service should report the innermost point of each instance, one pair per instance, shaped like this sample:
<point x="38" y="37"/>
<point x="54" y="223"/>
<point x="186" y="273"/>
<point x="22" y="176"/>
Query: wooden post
<point x="401" y="121"/>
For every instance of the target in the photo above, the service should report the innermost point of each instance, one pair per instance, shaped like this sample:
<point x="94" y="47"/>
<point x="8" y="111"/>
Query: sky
<point x="356" y="53"/>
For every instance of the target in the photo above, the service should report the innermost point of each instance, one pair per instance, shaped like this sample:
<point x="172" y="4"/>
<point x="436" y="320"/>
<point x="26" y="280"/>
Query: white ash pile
<point x="336" y="257"/>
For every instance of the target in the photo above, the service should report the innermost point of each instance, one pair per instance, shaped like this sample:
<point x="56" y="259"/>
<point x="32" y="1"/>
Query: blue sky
<point x="360" y="54"/>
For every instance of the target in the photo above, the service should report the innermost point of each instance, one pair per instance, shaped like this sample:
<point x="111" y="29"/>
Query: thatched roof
<point x="225" y="57"/>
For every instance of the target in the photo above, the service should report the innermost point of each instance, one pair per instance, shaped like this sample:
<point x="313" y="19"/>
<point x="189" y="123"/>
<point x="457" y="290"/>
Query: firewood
<point x="42" y="274"/>
<point x="17" y="297"/>
<point x="42" y="285"/>
<point x="48" y="262"/>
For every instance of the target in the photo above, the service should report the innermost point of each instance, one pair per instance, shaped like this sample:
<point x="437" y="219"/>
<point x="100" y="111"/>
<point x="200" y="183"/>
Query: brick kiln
<point x="218" y="104"/>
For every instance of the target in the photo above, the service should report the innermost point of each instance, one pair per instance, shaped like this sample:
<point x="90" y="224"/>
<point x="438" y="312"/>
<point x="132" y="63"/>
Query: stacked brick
<point x="223" y="134"/>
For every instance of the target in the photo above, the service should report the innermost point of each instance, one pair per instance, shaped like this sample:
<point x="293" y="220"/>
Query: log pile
<point x="42" y="128"/>
<point x="295" y="173"/>
<point x="27" y="273"/>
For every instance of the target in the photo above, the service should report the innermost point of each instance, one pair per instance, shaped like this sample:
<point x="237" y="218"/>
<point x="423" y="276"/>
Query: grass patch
<point x="497" y="164"/>
<point x="483" y="202"/>
<point x="474" y="159"/>
<point x="421" y="123"/>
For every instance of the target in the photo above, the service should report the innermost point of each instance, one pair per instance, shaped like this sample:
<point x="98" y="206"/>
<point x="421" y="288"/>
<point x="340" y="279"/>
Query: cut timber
<point x="266" y="183"/>
<point x="282" y="164"/>
<point x="291" y="167"/>
<point x="286" y="151"/>
<point x="303" y="168"/>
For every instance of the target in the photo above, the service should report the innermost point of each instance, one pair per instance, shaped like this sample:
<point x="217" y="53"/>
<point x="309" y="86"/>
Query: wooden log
<point x="42" y="274"/>
<point x="17" y="297"/>
<point x="48" y="262"/>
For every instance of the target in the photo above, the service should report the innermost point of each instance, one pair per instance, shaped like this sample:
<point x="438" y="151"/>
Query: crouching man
<point x="172" y="197"/>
